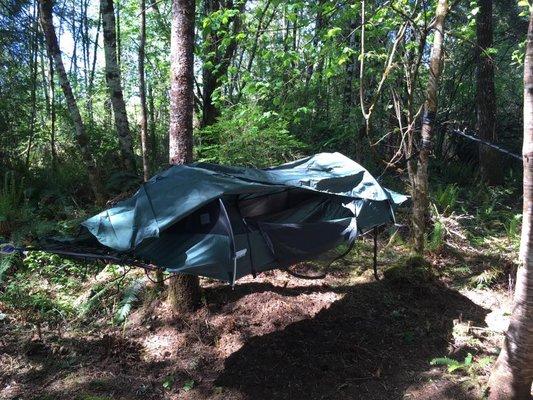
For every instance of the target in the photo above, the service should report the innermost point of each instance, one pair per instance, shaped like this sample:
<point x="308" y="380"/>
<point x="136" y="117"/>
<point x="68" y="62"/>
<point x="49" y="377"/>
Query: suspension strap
<point x="484" y="142"/>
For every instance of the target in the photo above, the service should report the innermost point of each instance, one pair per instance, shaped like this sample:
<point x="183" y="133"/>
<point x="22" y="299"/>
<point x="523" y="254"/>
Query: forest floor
<point x="418" y="333"/>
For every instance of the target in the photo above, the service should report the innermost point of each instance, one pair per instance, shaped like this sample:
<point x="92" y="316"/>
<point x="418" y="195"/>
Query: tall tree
<point x="113" y="79"/>
<point x="45" y="8"/>
<point x="485" y="95"/>
<point x="184" y="290"/>
<point x="142" y="93"/>
<point x="512" y="376"/>
<point x="419" y="181"/>
<point x="220" y="50"/>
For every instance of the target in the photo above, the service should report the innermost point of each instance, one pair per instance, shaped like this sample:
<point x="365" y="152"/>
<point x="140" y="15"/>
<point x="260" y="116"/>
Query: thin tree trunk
<point x="119" y="38"/>
<point x="351" y="70"/>
<point x="52" y="116"/>
<point x="80" y="134"/>
<point x="489" y="160"/>
<point x="319" y="25"/>
<point x="93" y="69"/>
<point x="142" y="92"/>
<point x="419" y="189"/>
<point x="114" y="85"/>
<point x="33" y="114"/>
<point x="184" y="290"/>
<point x="152" y="124"/>
<point x="512" y="376"/>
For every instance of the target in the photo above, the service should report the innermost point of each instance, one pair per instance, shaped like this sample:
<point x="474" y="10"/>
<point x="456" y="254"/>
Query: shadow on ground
<point x="374" y="343"/>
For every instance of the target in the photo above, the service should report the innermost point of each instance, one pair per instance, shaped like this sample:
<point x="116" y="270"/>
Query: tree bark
<point x="419" y="189"/>
<point x="211" y="76"/>
<point x="489" y="160"/>
<point x="114" y="85"/>
<point x="512" y="376"/>
<point x="33" y="70"/>
<point x="80" y="134"/>
<point x="152" y="124"/>
<point x="184" y="290"/>
<point x="142" y="93"/>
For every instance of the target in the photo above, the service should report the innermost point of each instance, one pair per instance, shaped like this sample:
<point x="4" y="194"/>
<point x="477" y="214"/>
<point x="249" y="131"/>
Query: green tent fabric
<point x="227" y="222"/>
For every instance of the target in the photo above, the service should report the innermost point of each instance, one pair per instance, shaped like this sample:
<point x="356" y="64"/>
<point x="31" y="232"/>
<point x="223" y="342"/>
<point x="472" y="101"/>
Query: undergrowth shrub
<point x="446" y="197"/>
<point x="13" y="207"/>
<point x="247" y="135"/>
<point x="413" y="271"/>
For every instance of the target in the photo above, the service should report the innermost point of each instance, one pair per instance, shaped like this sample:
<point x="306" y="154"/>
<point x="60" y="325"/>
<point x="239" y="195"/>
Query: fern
<point x="454" y="365"/>
<point x="93" y="301"/>
<point x="436" y="239"/>
<point x="5" y="263"/>
<point x="131" y="295"/>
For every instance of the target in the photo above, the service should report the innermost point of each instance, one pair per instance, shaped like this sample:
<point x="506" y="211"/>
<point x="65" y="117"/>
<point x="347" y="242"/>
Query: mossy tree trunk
<point x="419" y="180"/>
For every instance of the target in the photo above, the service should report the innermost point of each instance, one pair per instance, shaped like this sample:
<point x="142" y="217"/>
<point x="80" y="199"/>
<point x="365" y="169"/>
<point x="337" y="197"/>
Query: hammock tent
<point x="226" y="222"/>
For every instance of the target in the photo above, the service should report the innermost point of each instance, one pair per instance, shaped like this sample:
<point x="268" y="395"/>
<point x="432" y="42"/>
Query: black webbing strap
<point x="375" y="259"/>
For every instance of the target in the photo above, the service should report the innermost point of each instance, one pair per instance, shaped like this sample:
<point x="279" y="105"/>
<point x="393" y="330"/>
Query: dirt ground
<point x="274" y="337"/>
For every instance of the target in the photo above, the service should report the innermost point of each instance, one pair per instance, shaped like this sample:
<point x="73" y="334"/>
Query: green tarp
<point x="226" y="222"/>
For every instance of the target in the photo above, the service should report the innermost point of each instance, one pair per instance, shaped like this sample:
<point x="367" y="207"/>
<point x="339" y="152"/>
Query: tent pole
<point x="375" y="261"/>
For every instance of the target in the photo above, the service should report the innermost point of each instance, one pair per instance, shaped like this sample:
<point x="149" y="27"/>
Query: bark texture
<point x="183" y="290"/>
<point x="74" y="112"/>
<point x="512" y="376"/>
<point x="112" y="74"/>
<point x="181" y="81"/>
<point x="220" y="60"/>
<point x="419" y="189"/>
<point x="142" y="93"/>
<point x="485" y="95"/>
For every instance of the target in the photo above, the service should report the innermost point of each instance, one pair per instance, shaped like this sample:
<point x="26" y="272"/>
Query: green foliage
<point x="168" y="382"/>
<point x="486" y="278"/>
<point x="436" y="239"/>
<point x="454" y="365"/>
<point x="130" y="297"/>
<point x="5" y="264"/>
<point x="445" y="197"/>
<point x="413" y="271"/>
<point x="188" y="385"/>
<point x="469" y="365"/>
<point x="247" y="135"/>
<point x="11" y="198"/>
<point x="512" y="227"/>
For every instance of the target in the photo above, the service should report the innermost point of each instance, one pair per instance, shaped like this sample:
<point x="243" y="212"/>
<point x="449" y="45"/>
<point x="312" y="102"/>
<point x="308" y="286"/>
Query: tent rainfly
<point x="227" y="222"/>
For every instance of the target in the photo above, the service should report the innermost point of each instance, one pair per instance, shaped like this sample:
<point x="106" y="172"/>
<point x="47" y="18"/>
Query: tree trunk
<point x="220" y="61"/>
<point x="184" y="290"/>
<point x="80" y="134"/>
<point x="33" y="70"/>
<point x="93" y="69"/>
<point x="512" y="376"/>
<point x="52" y="116"/>
<point x="142" y="92"/>
<point x="489" y="160"/>
<point x="152" y="124"/>
<point x="115" y="87"/>
<point x="419" y="189"/>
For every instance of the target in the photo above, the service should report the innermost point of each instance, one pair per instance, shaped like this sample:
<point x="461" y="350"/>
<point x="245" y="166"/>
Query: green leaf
<point x="333" y="32"/>
<point x="188" y="385"/>
<point x="168" y="382"/>
<point x="130" y="297"/>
